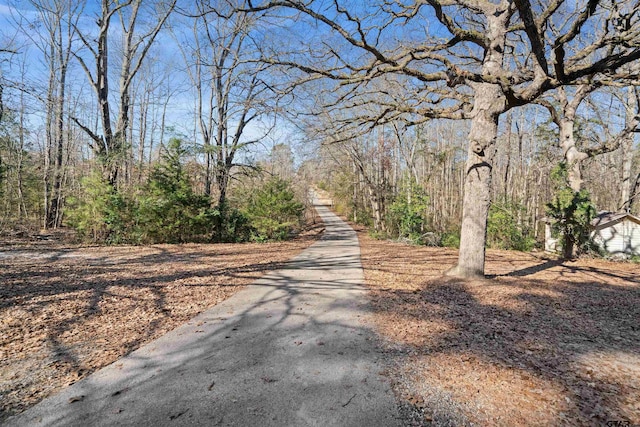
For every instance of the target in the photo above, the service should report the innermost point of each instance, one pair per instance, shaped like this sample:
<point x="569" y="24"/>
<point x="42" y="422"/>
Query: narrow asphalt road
<point x="290" y="350"/>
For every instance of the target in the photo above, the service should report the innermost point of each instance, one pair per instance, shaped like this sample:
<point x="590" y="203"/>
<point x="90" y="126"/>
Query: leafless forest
<point x="423" y="119"/>
<point x="481" y="125"/>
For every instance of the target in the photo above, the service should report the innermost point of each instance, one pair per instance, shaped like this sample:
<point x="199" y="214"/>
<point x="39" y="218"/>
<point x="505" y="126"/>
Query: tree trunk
<point x="378" y="223"/>
<point x="507" y="168"/>
<point x="489" y="103"/>
<point x="477" y="187"/>
<point x="573" y="159"/>
<point x="22" y="206"/>
<point x="144" y="112"/>
<point x="354" y="200"/>
<point x="49" y="135"/>
<point x="105" y="152"/>
<point x="572" y="156"/>
<point x="54" y="211"/>
<point x="567" y="247"/>
<point x="627" y="152"/>
<point x="222" y="180"/>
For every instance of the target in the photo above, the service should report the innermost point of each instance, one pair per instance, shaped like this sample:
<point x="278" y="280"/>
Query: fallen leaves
<point x="539" y="342"/>
<point x="65" y="312"/>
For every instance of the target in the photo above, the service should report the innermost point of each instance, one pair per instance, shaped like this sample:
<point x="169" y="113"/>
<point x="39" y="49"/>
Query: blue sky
<point x="295" y="34"/>
<point x="179" y="112"/>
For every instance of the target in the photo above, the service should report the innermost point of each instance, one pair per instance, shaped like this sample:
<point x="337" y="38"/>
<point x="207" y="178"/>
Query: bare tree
<point x="59" y="18"/>
<point x="6" y="51"/>
<point x="281" y="161"/>
<point x="54" y="23"/>
<point x="564" y="116"/>
<point x="1" y="95"/>
<point x="153" y="90"/>
<point x="231" y="92"/>
<point x="495" y="56"/>
<point x="110" y="147"/>
<point x="631" y="117"/>
<point x="372" y="166"/>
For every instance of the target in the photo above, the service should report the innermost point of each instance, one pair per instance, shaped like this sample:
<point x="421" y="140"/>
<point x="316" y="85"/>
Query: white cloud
<point x="5" y="10"/>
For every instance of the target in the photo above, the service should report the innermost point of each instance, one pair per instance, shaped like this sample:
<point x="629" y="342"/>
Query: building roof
<point x="604" y="218"/>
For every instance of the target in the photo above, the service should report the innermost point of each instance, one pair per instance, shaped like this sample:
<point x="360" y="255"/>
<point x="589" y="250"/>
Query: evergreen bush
<point x="572" y="213"/>
<point x="451" y="239"/>
<point x="407" y="217"/>
<point x="504" y="230"/>
<point x="169" y="210"/>
<point x="273" y="211"/>
<point x="230" y="225"/>
<point x="100" y="213"/>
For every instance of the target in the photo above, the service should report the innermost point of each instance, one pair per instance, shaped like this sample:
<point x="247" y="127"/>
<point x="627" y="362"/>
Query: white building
<point x="617" y="234"/>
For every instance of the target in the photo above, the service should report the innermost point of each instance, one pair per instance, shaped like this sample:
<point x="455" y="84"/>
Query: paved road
<point x="290" y="350"/>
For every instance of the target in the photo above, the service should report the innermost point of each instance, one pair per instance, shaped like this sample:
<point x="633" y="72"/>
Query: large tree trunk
<point x="489" y="103"/>
<point x="477" y="188"/>
<point x="627" y="152"/>
<point x="573" y="159"/>
<point x="572" y="156"/>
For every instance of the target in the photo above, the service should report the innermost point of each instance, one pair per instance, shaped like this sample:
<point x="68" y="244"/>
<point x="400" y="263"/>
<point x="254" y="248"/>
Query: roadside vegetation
<point x="167" y="209"/>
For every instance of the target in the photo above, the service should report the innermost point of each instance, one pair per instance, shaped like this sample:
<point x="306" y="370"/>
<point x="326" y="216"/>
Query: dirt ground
<point x="68" y="311"/>
<point x="537" y="343"/>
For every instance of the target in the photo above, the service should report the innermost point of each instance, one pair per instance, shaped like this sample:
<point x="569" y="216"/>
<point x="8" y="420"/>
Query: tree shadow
<point x="291" y="349"/>
<point x="565" y="268"/>
<point x="574" y="337"/>
<point x="51" y="298"/>
<point x="531" y="270"/>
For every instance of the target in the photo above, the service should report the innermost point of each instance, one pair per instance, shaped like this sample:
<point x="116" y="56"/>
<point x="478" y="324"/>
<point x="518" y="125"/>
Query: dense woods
<point x="107" y="131"/>
<point x="445" y="122"/>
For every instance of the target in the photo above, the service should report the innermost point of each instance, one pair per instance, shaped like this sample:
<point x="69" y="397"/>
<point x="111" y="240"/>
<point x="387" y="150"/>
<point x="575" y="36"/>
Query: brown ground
<point x="538" y="343"/>
<point x="65" y="312"/>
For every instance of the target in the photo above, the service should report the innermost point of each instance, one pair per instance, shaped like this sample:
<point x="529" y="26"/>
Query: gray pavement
<point x="290" y="350"/>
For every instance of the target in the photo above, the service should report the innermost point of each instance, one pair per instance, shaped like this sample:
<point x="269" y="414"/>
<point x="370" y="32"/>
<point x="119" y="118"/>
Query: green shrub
<point x="406" y="216"/>
<point x="102" y="214"/>
<point x="273" y="211"/>
<point x="93" y="213"/>
<point x="377" y="234"/>
<point x="572" y="213"/>
<point x="451" y="239"/>
<point x="169" y="211"/>
<point x="230" y="225"/>
<point x="166" y="210"/>
<point x="503" y="230"/>
<point x="361" y="216"/>
<point x="121" y="219"/>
